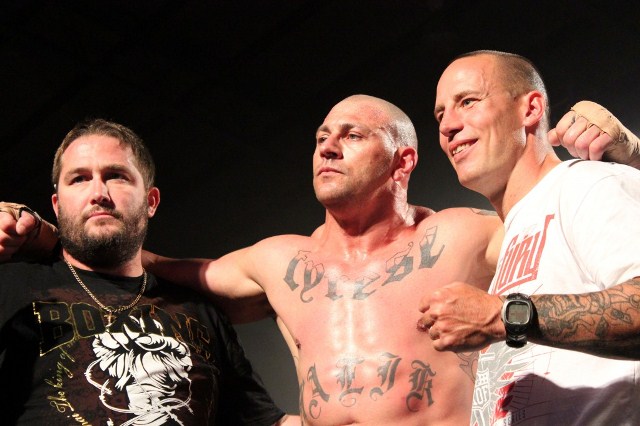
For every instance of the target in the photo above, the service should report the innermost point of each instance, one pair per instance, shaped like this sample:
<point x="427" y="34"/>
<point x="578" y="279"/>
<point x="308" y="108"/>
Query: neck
<point x="537" y="160"/>
<point x="130" y="268"/>
<point x="367" y="229"/>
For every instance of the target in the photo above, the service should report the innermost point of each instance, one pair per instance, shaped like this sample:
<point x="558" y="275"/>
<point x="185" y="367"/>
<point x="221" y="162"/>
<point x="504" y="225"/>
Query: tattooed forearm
<point x="605" y="323"/>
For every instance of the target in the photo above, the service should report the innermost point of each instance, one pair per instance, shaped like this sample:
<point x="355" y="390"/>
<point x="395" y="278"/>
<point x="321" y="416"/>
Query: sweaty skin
<point x="346" y="298"/>
<point x="351" y="320"/>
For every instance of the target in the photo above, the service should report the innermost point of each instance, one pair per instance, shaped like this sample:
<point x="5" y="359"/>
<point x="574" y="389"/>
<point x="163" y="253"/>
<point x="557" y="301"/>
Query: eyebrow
<point x="456" y="97"/>
<point x="110" y="167"/>
<point x="343" y="127"/>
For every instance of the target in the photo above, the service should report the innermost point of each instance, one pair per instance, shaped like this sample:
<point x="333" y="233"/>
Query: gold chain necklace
<point x="110" y="310"/>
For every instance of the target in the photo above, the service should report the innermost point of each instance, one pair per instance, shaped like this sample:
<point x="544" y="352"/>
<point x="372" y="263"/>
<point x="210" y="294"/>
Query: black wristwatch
<point x="517" y="314"/>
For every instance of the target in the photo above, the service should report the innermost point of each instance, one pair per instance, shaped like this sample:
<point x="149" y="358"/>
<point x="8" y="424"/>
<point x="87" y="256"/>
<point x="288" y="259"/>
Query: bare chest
<point x="359" y="354"/>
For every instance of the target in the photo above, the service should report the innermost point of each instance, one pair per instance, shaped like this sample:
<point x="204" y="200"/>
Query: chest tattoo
<point x="351" y="389"/>
<point x="306" y="273"/>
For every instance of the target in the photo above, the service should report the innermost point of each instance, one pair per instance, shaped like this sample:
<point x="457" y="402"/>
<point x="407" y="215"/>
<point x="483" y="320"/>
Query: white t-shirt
<point x="577" y="231"/>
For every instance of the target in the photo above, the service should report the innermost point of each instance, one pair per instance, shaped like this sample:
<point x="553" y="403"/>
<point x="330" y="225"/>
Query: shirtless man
<point x="342" y="296"/>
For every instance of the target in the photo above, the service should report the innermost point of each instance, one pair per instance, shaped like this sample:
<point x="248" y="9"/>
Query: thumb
<point x="554" y="140"/>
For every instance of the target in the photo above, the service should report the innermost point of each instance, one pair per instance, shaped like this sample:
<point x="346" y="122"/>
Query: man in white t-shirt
<point x="568" y="273"/>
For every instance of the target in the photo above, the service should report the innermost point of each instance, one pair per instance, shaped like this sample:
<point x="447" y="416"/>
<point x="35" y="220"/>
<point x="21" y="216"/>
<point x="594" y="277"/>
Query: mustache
<point x="99" y="209"/>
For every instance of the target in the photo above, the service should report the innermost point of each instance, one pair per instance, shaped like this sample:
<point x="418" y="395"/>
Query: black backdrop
<point x="228" y="95"/>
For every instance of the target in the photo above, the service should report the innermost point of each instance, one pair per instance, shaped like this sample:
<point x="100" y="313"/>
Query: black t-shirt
<point x="171" y="359"/>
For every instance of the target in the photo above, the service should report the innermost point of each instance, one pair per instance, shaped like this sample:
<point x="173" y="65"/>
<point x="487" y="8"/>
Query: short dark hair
<point x="126" y="136"/>
<point x="519" y="73"/>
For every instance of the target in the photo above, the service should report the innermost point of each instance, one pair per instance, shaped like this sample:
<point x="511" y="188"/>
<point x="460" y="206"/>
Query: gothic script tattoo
<point x="420" y="380"/>
<point x="305" y="273"/>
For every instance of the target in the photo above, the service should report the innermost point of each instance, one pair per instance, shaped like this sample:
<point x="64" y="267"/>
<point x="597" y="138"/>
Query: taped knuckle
<point x="599" y="116"/>
<point x="13" y="209"/>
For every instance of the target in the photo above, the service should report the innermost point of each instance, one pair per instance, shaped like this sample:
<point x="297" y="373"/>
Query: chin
<point x="469" y="181"/>
<point x="103" y="231"/>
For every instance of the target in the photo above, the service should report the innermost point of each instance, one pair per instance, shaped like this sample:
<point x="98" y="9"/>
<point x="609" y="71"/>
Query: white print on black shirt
<point x="147" y="368"/>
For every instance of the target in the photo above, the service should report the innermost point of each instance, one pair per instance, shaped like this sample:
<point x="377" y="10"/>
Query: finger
<point x="585" y="143"/>
<point x="565" y="122"/>
<point x="599" y="146"/>
<point x="7" y="224"/>
<point x="433" y="334"/>
<point x="421" y="326"/>
<point x="26" y="223"/>
<point x="571" y="136"/>
<point x="556" y="135"/>
<point x="424" y="323"/>
<point x="9" y="244"/>
<point x="424" y="304"/>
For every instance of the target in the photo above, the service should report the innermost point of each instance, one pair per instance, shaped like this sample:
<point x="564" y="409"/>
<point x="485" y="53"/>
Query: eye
<point x="353" y="136"/>
<point x="468" y="102"/>
<point x="321" y="138"/>
<point x="116" y="176"/>
<point x="77" y="179"/>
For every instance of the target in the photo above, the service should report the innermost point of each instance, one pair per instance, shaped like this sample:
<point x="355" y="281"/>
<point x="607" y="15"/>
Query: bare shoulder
<point x="469" y="230"/>
<point x="464" y="216"/>
<point x="281" y="245"/>
<point x="463" y="220"/>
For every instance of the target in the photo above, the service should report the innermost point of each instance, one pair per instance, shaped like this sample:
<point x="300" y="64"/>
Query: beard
<point x="105" y="249"/>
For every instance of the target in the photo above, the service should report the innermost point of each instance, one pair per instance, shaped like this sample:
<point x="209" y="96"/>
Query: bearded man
<point x="91" y="337"/>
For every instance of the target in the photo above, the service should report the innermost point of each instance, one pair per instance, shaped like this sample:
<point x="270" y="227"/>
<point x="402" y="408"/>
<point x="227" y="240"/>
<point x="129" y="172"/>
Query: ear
<point x="407" y="161"/>
<point x="536" y="105"/>
<point x="54" y="202"/>
<point x="153" y="199"/>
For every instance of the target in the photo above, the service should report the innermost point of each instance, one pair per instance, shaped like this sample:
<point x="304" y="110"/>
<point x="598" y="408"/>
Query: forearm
<point x="224" y="284"/>
<point x="186" y="272"/>
<point x="604" y="323"/>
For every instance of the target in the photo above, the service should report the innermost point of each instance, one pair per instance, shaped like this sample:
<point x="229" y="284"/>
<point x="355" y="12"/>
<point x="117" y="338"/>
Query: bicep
<point x="233" y="276"/>
<point x="231" y="284"/>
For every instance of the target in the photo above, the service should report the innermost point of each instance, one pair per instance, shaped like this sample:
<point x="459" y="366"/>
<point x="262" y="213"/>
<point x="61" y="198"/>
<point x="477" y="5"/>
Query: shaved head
<point x="398" y="125"/>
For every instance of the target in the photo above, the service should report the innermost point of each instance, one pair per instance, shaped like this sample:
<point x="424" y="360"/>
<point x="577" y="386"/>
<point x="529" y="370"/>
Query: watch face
<point x="517" y="313"/>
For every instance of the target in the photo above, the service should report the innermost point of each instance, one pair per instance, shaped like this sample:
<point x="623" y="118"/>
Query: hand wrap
<point x="626" y="146"/>
<point x="41" y="241"/>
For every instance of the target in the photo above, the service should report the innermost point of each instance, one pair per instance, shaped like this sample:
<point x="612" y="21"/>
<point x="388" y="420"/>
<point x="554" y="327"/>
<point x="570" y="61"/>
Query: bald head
<point x="390" y="117"/>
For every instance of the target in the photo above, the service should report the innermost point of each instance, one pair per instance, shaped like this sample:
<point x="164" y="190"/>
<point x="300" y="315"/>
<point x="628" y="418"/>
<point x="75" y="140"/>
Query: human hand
<point x="23" y="231"/>
<point x="460" y="317"/>
<point x="591" y="132"/>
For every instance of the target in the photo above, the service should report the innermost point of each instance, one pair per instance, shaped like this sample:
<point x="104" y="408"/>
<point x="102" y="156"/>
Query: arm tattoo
<point x="602" y="323"/>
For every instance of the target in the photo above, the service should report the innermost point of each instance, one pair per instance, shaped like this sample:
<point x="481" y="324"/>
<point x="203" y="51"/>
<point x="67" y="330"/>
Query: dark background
<point x="228" y="94"/>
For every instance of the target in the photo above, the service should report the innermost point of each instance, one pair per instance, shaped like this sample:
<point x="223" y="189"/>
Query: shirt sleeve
<point x="243" y="398"/>
<point x="605" y="224"/>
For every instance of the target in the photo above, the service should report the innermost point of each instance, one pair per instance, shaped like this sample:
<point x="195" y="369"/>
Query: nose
<point x="450" y="123"/>
<point x="99" y="192"/>
<point x="330" y="147"/>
